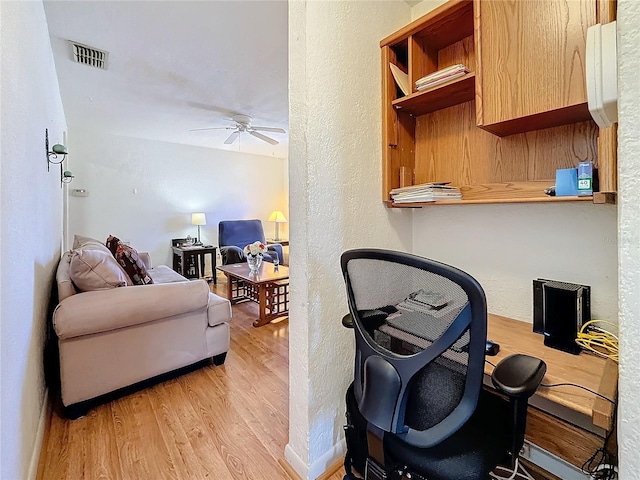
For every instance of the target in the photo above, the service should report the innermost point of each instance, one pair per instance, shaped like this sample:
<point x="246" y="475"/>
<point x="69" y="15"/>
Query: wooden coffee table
<point x="269" y="288"/>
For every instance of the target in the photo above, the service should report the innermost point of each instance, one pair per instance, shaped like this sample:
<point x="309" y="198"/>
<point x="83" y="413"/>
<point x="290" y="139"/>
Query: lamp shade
<point x="278" y="217"/>
<point x="198" y="219"/>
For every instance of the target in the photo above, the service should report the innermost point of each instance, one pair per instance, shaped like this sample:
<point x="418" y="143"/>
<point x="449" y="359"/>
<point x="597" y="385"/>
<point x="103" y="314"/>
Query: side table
<point x="184" y="256"/>
<point x="283" y="242"/>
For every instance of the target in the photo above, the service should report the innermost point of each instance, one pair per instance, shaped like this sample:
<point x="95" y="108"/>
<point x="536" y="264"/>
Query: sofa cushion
<point x="163" y="274"/>
<point x="129" y="259"/>
<point x="95" y="269"/>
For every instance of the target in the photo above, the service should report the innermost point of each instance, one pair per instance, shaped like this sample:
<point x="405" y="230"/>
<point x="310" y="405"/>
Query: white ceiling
<point x="175" y="66"/>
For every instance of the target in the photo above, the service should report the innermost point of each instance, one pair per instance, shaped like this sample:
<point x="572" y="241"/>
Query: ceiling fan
<point x="243" y="124"/>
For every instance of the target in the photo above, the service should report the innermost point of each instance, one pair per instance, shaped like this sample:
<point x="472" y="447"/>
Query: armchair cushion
<point x="231" y="254"/>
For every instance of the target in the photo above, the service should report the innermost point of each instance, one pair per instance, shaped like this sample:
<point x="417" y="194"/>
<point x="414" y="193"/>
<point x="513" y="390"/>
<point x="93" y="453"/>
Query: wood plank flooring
<point x="218" y="423"/>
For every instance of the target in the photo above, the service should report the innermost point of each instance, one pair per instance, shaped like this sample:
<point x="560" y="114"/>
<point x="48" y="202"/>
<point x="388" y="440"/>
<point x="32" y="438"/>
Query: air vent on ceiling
<point x="89" y="56"/>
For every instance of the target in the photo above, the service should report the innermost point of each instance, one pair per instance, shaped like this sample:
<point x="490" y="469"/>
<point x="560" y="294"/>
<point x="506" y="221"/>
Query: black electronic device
<point x="559" y="311"/>
<point x="491" y="348"/>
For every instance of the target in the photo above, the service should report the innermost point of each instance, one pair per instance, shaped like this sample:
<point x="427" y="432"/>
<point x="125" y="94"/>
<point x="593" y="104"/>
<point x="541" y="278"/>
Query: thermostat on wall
<point x="79" y="192"/>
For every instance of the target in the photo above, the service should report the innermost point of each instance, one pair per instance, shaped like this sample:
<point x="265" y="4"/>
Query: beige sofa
<point x="114" y="338"/>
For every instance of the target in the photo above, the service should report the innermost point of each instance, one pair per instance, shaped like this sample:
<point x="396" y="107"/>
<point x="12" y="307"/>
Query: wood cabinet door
<point x="531" y="60"/>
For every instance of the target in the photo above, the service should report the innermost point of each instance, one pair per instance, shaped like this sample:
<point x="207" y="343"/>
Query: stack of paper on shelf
<point x="426" y="192"/>
<point x="441" y="76"/>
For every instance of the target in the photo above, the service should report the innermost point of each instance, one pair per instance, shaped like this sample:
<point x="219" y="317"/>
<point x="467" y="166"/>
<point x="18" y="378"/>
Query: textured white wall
<point x="170" y="182"/>
<point x="335" y="178"/>
<point x="506" y="246"/>
<point x="629" y="236"/>
<point x="30" y="226"/>
<point x="424" y="7"/>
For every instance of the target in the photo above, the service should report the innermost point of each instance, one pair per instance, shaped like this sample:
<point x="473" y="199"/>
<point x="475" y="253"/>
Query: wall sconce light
<point x="57" y="151"/>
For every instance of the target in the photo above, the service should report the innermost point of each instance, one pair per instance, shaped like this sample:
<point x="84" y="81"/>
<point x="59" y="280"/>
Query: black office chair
<point x="421" y="329"/>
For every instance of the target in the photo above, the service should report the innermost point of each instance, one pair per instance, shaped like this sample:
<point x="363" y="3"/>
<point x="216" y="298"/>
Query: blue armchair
<point x="234" y="235"/>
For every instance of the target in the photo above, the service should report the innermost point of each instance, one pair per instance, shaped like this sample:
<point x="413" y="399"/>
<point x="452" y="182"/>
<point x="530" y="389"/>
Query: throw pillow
<point x="80" y="241"/>
<point x="129" y="259"/>
<point x="112" y="244"/>
<point x="95" y="269"/>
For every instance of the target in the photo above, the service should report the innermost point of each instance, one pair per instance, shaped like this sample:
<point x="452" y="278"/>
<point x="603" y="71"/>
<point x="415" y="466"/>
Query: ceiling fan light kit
<point x="243" y="124"/>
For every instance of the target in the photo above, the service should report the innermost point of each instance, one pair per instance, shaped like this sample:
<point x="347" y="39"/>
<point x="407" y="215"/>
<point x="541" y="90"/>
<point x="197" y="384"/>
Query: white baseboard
<point x="296" y="462"/>
<point x="327" y="459"/>
<point x="37" y="444"/>
<point x="320" y="466"/>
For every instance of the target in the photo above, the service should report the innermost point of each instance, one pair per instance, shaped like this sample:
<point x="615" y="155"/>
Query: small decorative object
<point x="254" y="252"/>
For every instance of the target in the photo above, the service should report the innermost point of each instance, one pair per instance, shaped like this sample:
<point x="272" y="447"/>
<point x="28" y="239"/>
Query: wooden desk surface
<point x="590" y="371"/>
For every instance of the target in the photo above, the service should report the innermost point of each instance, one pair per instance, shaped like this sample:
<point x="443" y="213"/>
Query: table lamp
<point x="198" y="219"/>
<point x="278" y="217"/>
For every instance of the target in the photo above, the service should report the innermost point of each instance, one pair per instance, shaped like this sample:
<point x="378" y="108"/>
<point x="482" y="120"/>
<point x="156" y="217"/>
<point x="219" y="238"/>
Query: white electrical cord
<point x="515" y="474"/>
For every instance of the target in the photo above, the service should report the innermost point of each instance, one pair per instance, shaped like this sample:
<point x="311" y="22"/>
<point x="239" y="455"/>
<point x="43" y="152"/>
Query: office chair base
<point x="373" y="471"/>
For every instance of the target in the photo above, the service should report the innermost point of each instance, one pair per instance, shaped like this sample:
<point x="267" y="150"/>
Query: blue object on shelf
<point x="566" y="182"/>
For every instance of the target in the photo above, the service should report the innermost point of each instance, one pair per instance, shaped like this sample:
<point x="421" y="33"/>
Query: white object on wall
<point x="602" y="73"/>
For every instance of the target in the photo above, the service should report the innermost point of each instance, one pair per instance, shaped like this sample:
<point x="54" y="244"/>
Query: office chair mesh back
<point x="419" y="306"/>
<point x="416" y="316"/>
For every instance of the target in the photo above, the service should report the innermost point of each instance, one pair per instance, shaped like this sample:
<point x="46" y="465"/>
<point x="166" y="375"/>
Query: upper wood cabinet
<point x="531" y="63"/>
<point x="525" y="90"/>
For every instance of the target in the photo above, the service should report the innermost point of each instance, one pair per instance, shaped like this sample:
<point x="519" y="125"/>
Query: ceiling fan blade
<point x="269" y="129"/>
<point x="211" y="128"/>
<point x="263" y="137"/>
<point x="232" y="138"/>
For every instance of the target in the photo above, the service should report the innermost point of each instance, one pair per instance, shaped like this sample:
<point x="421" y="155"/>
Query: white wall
<point x="30" y="227"/>
<point x="144" y="191"/>
<point x="335" y="178"/>
<point x="505" y="247"/>
<point x="629" y="236"/>
<point x="424" y="7"/>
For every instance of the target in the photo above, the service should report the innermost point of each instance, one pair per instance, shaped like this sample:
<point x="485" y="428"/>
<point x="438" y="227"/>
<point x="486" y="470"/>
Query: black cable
<point x="551" y="385"/>
<point x="489" y="363"/>
<point x="592" y="466"/>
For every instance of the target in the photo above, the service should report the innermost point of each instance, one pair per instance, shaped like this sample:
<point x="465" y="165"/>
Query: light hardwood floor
<point x="217" y="423"/>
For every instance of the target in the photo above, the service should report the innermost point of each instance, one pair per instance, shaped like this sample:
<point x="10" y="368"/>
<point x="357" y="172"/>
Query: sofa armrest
<point x="231" y="254"/>
<point x="276" y="249"/>
<point x="146" y="259"/>
<point x="104" y="310"/>
<point x="219" y="310"/>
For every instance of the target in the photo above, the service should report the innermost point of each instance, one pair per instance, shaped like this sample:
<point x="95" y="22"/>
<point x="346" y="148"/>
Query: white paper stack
<point x="441" y="76"/>
<point x="425" y="192"/>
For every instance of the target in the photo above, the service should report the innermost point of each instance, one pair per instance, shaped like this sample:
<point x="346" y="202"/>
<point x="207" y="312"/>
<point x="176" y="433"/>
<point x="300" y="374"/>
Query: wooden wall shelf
<point x="481" y="201"/>
<point x="502" y="131"/>
<point x="460" y="90"/>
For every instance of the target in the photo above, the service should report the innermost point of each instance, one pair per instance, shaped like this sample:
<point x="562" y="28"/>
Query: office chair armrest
<point x="347" y="321"/>
<point x="518" y="376"/>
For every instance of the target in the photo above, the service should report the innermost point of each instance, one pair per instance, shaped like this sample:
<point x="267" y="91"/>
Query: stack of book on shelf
<point x="425" y="192"/>
<point x="441" y="76"/>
